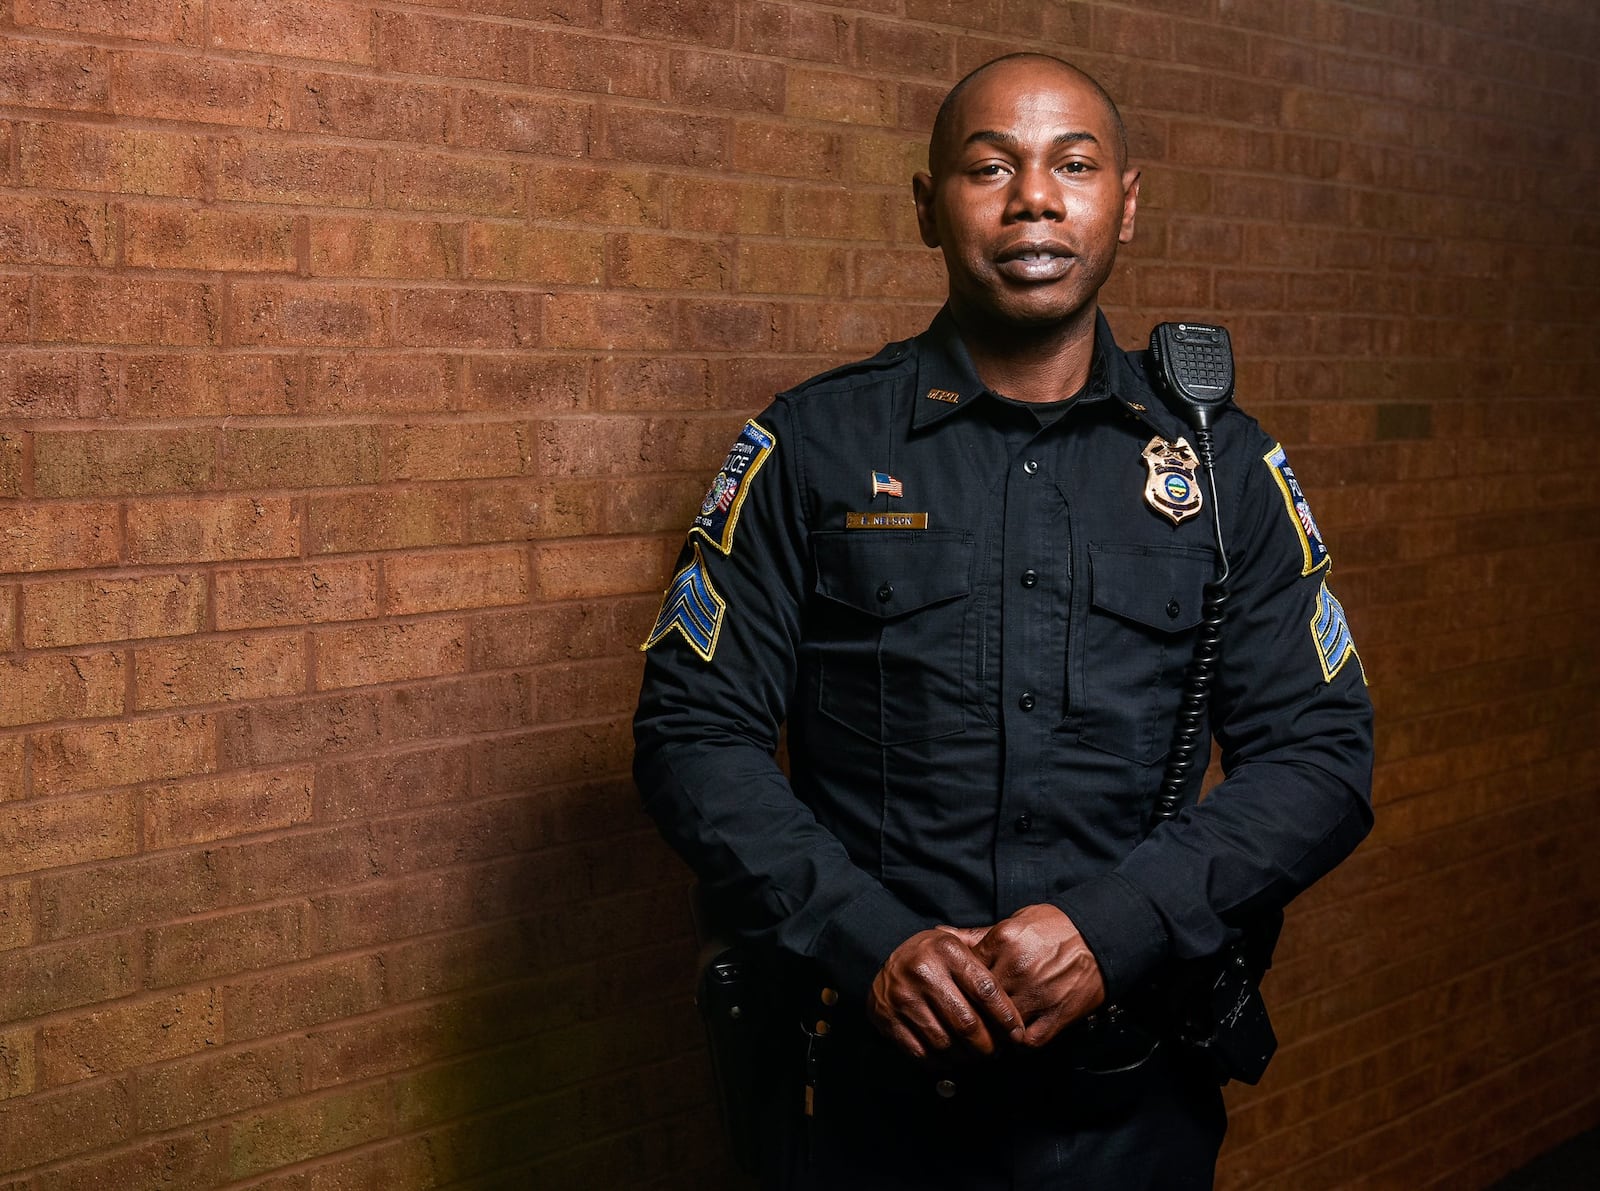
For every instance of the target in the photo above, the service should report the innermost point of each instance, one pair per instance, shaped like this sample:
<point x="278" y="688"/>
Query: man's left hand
<point x="1042" y="961"/>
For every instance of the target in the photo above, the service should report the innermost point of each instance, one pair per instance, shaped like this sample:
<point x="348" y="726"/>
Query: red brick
<point x="597" y="196"/>
<point x="389" y="519"/>
<point x="703" y="205"/>
<point x="18" y="1061"/>
<point x="676" y="20"/>
<point x="100" y="158"/>
<point x="788" y="31"/>
<point x="41" y="687"/>
<point x="294" y="28"/>
<point x="214" y="808"/>
<point x="841" y="98"/>
<point x="60" y="1124"/>
<point x="40" y="74"/>
<point x="53" y="833"/>
<point x="13" y="465"/>
<point x="850" y="213"/>
<point x="454" y="707"/>
<point x="448" y="835"/>
<point x="654" y="382"/>
<point x="187" y="1160"/>
<point x="44" y="980"/>
<point x="365" y="247"/>
<point x="629" y="445"/>
<point x="598" y="567"/>
<point x="13" y="779"/>
<point x="589" y="690"/>
<point x="101" y="309"/>
<point x="537" y="384"/>
<point x="303" y="173"/>
<point x="454" y="317"/>
<point x="368" y="654"/>
<point x="302" y="594"/>
<point x="218" y="671"/>
<point x="655" y="505"/>
<point x="857" y="327"/>
<point x="102" y="462"/>
<point x="711" y="325"/>
<point x="304" y="1128"/>
<point x="72" y="759"/>
<point x="127" y="892"/>
<point x="455" y="451"/>
<point x="761" y="148"/>
<point x="369" y="786"/>
<point x="195" y="90"/>
<point x="74" y="611"/>
<point x="130" y="1035"/>
<point x="727" y="83"/>
<point x="166" y="386"/>
<point x="56" y="232"/>
<point x="454" y="183"/>
<point x="570" y="61"/>
<point x="777" y="268"/>
<point x="609" y="321"/>
<point x="15" y="299"/>
<point x="270" y="733"/>
<point x="644" y="261"/>
<point x="210" y="529"/>
<point x="883" y="159"/>
<point x="16" y="925"/>
<point x="521" y="124"/>
<point x="298" y="457"/>
<point x="173" y="238"/>
<point x="904" y="49"/>
<point x="225" y="945"/>
<point x="307" y="315"/>
<point x="57" y="536"/>
<point x="176" y="21"/>
<point x="294" y="999"/>
<point x="551" y="756"/>
<point x="512" y="252"/>
<point x="666" y="138"/>
<point x="891" y="273"/>
<point x="212" y="1084"/>
<point x="438" y="582"/>
<point x="369" y="108"/>
<point x="388" y="383"/>
<point x="414" y="44"/>
<point x="515" y="512"/>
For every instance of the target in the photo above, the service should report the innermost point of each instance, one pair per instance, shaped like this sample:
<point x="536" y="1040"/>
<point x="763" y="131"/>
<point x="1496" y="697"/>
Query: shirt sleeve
<point x="719" y="670"/>
<point x="1291" y="713"/>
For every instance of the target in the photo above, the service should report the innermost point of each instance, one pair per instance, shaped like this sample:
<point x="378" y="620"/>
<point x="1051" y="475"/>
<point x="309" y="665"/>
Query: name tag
<point x="886" y="521"/>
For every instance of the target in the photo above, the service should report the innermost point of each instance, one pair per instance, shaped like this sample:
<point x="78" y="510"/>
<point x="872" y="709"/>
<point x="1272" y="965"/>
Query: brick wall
<point x="362" y="365"/>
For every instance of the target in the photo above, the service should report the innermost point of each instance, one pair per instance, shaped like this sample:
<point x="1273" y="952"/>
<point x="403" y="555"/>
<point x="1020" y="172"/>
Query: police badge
<point x="1172" y="488"/>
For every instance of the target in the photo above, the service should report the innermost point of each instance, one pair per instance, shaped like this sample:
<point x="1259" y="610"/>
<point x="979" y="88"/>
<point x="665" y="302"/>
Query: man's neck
<point x="1033" y="364"/>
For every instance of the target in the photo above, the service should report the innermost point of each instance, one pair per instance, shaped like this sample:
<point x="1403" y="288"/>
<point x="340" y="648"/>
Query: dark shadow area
<point x="1572" y="1164"/>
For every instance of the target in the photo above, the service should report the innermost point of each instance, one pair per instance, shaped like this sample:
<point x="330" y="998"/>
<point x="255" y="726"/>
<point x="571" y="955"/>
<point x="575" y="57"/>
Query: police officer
<point x="967" y="573"/>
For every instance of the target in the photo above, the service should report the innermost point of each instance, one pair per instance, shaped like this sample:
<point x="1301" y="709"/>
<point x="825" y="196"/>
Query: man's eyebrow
<point x="1005" y="140"/>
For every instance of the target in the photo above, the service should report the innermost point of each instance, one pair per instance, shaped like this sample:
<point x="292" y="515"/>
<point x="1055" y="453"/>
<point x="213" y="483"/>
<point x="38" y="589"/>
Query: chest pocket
<point x="891" y="633"/>
<point x="1125" y="680"/>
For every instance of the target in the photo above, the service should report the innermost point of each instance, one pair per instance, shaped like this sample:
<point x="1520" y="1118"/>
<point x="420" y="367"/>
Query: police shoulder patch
<point x="719" y="511"/>
<point x="1330" y="631"/>
<point x="1311" y="544"/>
<point x="692" y="607"/>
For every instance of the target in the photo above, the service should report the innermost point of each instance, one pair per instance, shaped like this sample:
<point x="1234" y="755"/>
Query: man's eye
<point x="992" y="169"/>
<point x="1076" y="167"/>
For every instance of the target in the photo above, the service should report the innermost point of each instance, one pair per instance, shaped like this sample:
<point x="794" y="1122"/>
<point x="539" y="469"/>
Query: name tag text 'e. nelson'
<point x="886" y="521"/>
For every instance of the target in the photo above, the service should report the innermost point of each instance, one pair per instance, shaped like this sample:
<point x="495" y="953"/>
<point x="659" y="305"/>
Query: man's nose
<point x="1035" y="194"/>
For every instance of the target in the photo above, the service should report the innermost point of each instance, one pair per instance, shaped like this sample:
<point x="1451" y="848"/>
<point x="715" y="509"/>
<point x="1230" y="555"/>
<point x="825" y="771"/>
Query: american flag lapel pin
<point x="883" y="484"/>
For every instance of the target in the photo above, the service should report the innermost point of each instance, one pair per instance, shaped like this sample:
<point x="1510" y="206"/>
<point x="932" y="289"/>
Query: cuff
<point x="856" y="941"/>
<point x="1120" y="926"/>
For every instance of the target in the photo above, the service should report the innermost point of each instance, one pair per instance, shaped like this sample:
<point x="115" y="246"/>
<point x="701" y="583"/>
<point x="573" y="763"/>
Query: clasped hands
<point x="1020" y="981"/>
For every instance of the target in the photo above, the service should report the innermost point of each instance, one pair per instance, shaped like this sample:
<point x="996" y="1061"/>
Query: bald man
<point x="968" y="574"/>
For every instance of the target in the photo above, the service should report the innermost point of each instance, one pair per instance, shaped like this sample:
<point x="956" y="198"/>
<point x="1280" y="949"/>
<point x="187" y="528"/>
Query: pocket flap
<point x="1155" y="586"/>
<point x="886" y="573"/>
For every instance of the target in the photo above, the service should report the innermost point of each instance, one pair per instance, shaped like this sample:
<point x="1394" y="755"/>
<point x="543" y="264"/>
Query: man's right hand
<point x="933" y="993"/>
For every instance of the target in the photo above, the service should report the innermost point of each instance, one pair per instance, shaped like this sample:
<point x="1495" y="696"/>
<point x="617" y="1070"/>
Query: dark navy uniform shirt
<point x="976" y="626"/>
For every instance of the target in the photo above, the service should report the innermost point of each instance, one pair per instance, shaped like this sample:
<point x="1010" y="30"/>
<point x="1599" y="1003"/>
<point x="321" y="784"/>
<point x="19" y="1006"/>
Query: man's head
<point x="1028" y="192"/>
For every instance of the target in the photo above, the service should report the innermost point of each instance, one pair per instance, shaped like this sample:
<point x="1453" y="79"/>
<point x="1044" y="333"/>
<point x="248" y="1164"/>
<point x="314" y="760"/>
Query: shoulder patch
<point x="1331" y="633"/>
<point x="1316" y="553"/>
<point x="693" y="607"/>
<point x="719" y="511"/>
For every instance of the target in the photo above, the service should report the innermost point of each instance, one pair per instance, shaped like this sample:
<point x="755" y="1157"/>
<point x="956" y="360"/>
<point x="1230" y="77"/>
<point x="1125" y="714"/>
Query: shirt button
<point x="1024" y="822"/>
<point x="1029" y="578"/>
<point x="946" y="1088"/>
<point x="1031" y="466"/>
<point x="1026" y="702"/>
<point x="1173" y="609"/>
<point x="885" y="593"/>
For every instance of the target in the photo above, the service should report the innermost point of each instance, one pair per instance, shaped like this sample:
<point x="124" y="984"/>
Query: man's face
<point x="1029" y="197"/>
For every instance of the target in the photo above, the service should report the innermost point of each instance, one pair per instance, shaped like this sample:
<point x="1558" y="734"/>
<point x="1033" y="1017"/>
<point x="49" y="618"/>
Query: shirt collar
<point x="947" y="381"/>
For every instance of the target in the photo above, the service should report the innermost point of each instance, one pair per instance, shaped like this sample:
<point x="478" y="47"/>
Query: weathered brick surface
<point x="363" y="362"/>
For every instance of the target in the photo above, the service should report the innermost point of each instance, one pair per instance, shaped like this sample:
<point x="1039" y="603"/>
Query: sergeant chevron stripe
<point x="693" y="607"/>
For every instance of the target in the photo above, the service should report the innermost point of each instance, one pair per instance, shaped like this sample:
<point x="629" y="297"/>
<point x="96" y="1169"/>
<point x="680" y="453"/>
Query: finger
<point x="980" y="988"/>
<point x="970" y="935"/>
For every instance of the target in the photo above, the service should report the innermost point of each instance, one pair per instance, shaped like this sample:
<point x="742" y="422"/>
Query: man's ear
<point x="922" y="195"/>
<point x="1130" y="204"/>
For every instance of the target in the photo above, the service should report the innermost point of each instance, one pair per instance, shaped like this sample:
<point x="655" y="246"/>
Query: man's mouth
<point x="1035" y="262"/>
